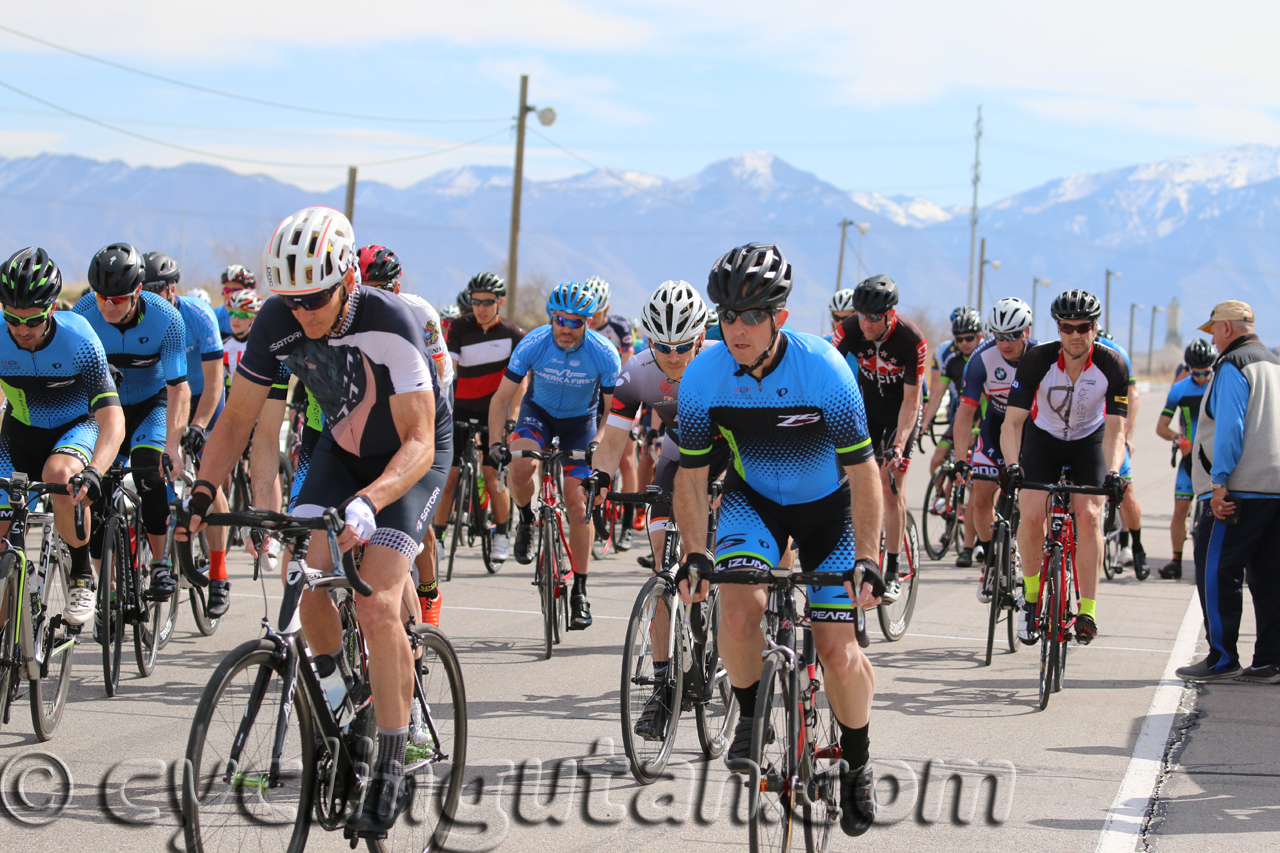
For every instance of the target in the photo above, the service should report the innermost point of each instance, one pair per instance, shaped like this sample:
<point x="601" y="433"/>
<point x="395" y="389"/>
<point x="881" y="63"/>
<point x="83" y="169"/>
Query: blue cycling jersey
<point x="715" y="333"/>
<point x="1183" y="405"/>
<point x="565" y="384"/>
<point x="204" y="343"/>
<point x="789" y="432"/>
<point x="1110" y="343"/>
<point x="65" y="379"/>
<point x="150" y="351"/>
<point x="224" y="321"/>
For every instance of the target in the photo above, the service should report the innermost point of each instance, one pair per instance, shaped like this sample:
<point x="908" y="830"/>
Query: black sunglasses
<point x="1076" y="329"/>
<point x="310" y="302"/>
<point x="1008" y="337"/>
<point x="483" y="303"/>
<point x="752" y="317"/>
<point x="966" y="339"/>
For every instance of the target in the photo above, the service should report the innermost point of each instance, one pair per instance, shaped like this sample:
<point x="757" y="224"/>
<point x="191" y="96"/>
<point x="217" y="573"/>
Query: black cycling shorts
<point x="664" y="477"/>
<point x="1044" y="456"/>
<point x="884" y="430"/>
<point x="460" y="429"/>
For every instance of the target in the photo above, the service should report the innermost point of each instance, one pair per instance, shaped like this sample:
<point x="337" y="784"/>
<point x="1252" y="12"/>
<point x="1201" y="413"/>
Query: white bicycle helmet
<point x="201" y="294"/>
<point x="309" y="252"/>
<point x="1009" y="316"/>
<point x="601" y="287"/>
<point x="245" y="300"/>
<point x="842" y="301"/>
<point x="676" y="313"/>
<point x="449" y="312"/>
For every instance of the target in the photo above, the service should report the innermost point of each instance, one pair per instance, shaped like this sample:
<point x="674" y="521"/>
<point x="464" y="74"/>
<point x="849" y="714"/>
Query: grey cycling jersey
<point x="642" y="383"/>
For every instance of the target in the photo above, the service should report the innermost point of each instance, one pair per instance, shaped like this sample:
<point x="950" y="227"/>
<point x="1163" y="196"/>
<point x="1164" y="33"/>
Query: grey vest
<point x="1258" y="469"/>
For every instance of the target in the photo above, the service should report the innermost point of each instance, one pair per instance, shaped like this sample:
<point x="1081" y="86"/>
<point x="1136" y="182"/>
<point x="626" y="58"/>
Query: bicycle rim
<point x="8" y="637"/>
<point x="1048" y="633"/>
<point x="460" y="497"/>
<point x="230" y="806"/>
<point x="1013" y="577"/>
<point x="937" y="528"/>
<point x="170" y="623"/>
<point x="896" y="618"/>
<point x="547" y="588"/>
<point x="147" y="627"/>
<point x="819" y="771"/>
<point x="640" y="685"/>
<point x="996" y="605"/>
<point x="1063" y="640"/>
<point x="205" y="623"/>
<point x="771" y="807"/>
<point x="52" y="645"/>
<point x="111" y="626"/>
<point x="715" y="716"/>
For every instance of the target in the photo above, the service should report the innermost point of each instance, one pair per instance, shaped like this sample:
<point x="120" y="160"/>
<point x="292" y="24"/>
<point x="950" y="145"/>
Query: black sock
<point x="890" y="565"/>
<point x="429" y="589"/>
<point x="747" y="699"/>
<point x="1124" y="539"/>
<point x="502" y="526"/>
<point x="1137" y="539"/>
<point x="391" y="752"/>
<point x="579" y="584"/>
<point x="439" y="530"/>
<point x="985" y="546"/>
<point x="1177" y="556"/>
<point x="526" y="514"/>
<point x="80" y="566"/>
<point x="855" y="745"/>
<point x="628" y="516"/>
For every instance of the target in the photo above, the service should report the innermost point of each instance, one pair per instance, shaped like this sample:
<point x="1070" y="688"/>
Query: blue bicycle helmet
<point x="573" y="297"/>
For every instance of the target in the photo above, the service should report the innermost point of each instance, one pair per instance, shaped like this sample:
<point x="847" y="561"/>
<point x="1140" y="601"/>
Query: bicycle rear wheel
<point x="52" y="646"/>
<point x="148" y="618"/>
<point x="193" y="556"/>
<point x="819" y="771"/>
<point x="640" y="684"/>
<point x="771" y="805"/>
<point x="939" y="529"/>
<point x="9" y="648"/>
<point x="896" y="618"/>
<point x="1048" y="617"/>
<point x="1064" y="641"/>
<point x="461" y="497"/>
<point x="110" y="621"/>
<point x="231" y="804"/>
<point x="714" y="715"/>
<point x="997" y="573"/>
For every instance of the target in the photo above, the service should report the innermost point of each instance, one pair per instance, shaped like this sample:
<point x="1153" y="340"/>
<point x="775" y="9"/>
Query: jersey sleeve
<point x="1117" y="373"/>
<point x="85" y="304"/>
<point x="1171" y="402"/>
<point x="846" y="416"/>
<point x="840" y="338"/>
<point x="610" y="369"/>
<point x="210" y="338"/>
<point x="694" y="416"/>
<point x="432" y="337"/>
<point x="398" y="346"/>
<point x="280" y="386"/>
<point x="173" y="347"/>
<point x="1032" y="369"/>
<point x="922" y="361"/>
<point x="520" y="363"/>
<point x="626" y="402"/>
<point x="91" y="362"/>
<point x="975" y="379"/>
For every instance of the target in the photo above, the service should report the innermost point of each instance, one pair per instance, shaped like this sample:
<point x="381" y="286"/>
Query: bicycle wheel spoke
<point x="771" y="812"/>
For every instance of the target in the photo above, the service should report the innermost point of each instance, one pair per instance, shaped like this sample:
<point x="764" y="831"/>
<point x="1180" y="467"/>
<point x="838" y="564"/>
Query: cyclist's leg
<point x="1131" y="514"/>
<point x="1088" y="513"/>
<point x="217" y="536"/>
<point x="146" y="443"/>
<point x="575" y="434"/>
<point x="532" y="432"/>
<point x="71" y="453"/>
<point x="987" y="461"/>
<point x="499" y="499"/>
<point x="1182" y="496"/>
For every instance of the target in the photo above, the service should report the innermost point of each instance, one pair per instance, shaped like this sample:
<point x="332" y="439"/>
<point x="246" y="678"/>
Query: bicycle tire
<point x="461" y="496"/>
<point x="1013" y="577"/>
<point x="771" y="804"/>
<point x="285" y="468"/>
<point x="52" y="646"/>
<point x="1049" y="628"/>
<point x="997" y="574"/>
<point x="195" y="560"/>
<point x="1064" y="640"/>
<point x="547" y="581"/>
<point x="714" y="725"/>
<point x="821" y="756"/>
<point x="895" y="618"/>
<point x="483" y="531"/>
<point x="9" y="648"/>
<point x="111" y="633"/>
<point x="147" y="624"/>
<point x="213" y="806"/>
<point x="648" y="758"/>
<point x="932" y="521"/>
<point x="170" y="623"/>
<point x="562" y="591"/>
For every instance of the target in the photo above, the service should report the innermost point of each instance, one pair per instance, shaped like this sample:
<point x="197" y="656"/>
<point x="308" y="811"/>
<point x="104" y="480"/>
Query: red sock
<point x="218" y="565"/>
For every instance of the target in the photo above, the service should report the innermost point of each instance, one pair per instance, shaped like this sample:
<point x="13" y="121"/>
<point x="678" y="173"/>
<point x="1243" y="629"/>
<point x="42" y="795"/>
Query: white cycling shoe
<point x="501" y="549"/>
<point x="80" y="602"/>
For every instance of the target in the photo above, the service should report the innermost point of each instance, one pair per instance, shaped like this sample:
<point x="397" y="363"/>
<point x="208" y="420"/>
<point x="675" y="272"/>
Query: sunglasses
<point x="310" y="302"/>
<point x="156" y="286"/>
<point x="1006" y="337"/>
<point x="118" y="300"/>
<point x="568" y="323"/>
<point x="38" y="319"/>
<point x="666" y="349"/>
<point x="840" y="318"/>
<point x="1202" y="372"/>
<point x="872" y="318"/>
<point x="483" y="303"/>
<point x="1075" y="329"/>
<point x="242" y="315"/>
<point x="228" y="289"/>
<point x="966" y="339"/>
<point x="753" y="317"/>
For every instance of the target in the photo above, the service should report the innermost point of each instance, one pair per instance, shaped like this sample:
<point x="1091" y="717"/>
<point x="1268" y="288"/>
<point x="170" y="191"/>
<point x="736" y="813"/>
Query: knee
<point x="738" y="627"/>
<point x="60" y="468"/>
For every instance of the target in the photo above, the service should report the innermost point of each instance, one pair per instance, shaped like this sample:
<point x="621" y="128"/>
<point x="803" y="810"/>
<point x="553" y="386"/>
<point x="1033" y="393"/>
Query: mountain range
<point x="1197" y="229"/>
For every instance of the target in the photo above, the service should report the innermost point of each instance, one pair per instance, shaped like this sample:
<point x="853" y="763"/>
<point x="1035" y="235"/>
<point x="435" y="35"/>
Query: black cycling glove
<point x="963" y="469"/>
<point x="1011" y="478"/>
<point x="1116" y="486"/>
<point x="870" y="574"/>
<point x="92" y="482"/>
<point x="193" y="439"/>
<point x="698" y="562"/>
<point x="599" y="479"/>
<point x="500" y="454"/>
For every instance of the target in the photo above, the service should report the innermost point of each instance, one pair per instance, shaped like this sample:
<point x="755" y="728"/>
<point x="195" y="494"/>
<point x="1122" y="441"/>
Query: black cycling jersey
<point x="885" y="367"/>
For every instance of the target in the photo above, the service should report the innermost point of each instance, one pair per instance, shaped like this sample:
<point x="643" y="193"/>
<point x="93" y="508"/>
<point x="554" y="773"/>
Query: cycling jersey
<point x="790" y="431"/>
<point x="1064" y="409"/>
<point x="950" y="361"/>
<point x="376" y="353"/>
<point x="887" y="366"/>
<point x="989" y="374"/>
<point x="565" y="384"/>
<point x="643" y="383"/>
<point x="150" y="350"/>
<point x="204" y="343"/>
<point x="224" y="320"/>
<point x="1111" y="344"/>
<point x="715" y="333"/>
<point x="233" y="349"/>
<point x="617" y="329"/>
<point x="63" y="380"/>
<point x="1183" y="405"/>
<point x="432" y="336"/>
<point x="482" y="356"/>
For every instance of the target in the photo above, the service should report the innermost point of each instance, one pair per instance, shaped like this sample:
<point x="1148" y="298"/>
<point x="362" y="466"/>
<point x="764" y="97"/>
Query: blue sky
<point x="869" y="96"/>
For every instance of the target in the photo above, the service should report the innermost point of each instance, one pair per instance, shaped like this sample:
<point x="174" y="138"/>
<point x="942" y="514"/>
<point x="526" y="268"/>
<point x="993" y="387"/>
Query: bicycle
<point x="552" y="570"/>
<point x="1056" y="616"/>
<point x="1002" y="576"/>
<point x="1111" y="565"/>
<point x="470" y="510"/>
<point x="694" y="672"/>
<point x="195" y="582"/>
<point x="944" y="502"/>
<point x="795" y="741"/>
<point x="895" y="618"/>
<point x="240" y="498"/>
<point x="267" y="756"/>
<point x="36" y="642"/>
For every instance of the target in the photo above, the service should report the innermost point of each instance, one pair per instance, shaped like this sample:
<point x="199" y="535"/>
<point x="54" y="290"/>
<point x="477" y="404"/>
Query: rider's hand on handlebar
<point x="358" y="512"/>
<point x="500" y="454"/>
<point x="700" y="563"/>
<point x="190" y="520"/>
<point x="1116" y="486"/>
<point x="872" y="583"/>
<point x="88" y="485"/>
<point x="193" y="440"/>
<point x="963" y="470"/>
<point x="601" y="481"/>
<point x="1010" y="478"/>
<point x="508" y="428"/>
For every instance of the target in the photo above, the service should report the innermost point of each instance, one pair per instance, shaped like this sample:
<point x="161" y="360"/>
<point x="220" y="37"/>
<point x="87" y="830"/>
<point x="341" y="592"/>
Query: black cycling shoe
<point x="698" y="622"/>
<point x="524" y="543"/>
<point x="1141" y="570"/>
<point x="1086" y="629"/>
<point x="219" y="598"/>
<point x="857" y="801"/>
<point x="383" y="802"/>
<point x="1028" y="630"/>
<point x="965" y="558"/>
<point x="646" y="561"/>
<point x="1172" y="570"/>
<point x="740" y="746"/>
<point x="163" y="583"/>
<point x="653" y="721"/>
<point x="580" y="613"/>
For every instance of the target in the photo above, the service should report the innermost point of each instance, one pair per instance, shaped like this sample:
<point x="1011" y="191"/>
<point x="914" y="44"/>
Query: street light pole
<point x="1107" y="302"/>
<point x="1133" y="307"/>
<point x="546" y="116"/>
<point x="1151" y="341"/>
<point x="1036" y="284"/>
<point x="844" y="227"/>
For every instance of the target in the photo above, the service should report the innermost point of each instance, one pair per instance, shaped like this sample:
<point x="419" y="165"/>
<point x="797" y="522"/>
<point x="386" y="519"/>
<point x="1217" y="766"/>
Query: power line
<point x="234" y="157"/>
<point x="245" y="98"/>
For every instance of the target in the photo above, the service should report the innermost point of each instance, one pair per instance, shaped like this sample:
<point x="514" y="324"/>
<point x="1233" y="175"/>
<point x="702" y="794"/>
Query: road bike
<point x="240" y="498"/>
<point x="943" y="513"/>
<point x="1002" y="574"/>
<point x="470" y="506"/>
<point x="267" y="756"/>
<point x="1111" y="565"/>
<point x="895" y="617"/>
<point x="193" y="583"/>
<point x="36" y="642"/>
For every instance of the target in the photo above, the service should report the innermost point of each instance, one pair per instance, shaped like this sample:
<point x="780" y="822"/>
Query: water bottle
<point x="334" y="687"/>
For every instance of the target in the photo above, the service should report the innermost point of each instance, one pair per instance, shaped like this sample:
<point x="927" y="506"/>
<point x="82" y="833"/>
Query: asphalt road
<point x="1058" y="771"/>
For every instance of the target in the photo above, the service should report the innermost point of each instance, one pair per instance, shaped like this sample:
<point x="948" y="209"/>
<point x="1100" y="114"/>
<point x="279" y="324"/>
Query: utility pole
<point x="844" y="227"/>
<point x="1151" y="340"/>
<point x="1106" y="319"/>
<point x="1133" y="307"/>
<point x="982" y="266"/>
<point x="350" y="210"/>
<point x="973" y="214"/>
<point x="547" y="117"/>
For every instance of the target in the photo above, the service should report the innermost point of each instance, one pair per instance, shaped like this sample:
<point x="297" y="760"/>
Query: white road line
<point x="1124" y="821"/>
<point x="984" y="639"/>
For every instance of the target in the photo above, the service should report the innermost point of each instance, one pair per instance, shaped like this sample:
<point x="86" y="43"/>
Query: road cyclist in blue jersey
<point x="62" y="415"/>
<point x="1183" y="406"/>
<point x="570" y="368"/>
<point x="803" y="468"/>
<point x="145" y="338"/>
<point x="1130" y="511"/>
<point x="382" y="459"/>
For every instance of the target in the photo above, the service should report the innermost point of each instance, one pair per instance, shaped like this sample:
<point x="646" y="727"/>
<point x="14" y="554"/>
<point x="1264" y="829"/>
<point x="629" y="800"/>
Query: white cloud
<point x="1207" y="121"/>
<point x="585" y="94"/>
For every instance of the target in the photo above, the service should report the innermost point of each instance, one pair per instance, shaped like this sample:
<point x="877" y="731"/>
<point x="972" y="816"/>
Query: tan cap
<point x="1232" y="309"/>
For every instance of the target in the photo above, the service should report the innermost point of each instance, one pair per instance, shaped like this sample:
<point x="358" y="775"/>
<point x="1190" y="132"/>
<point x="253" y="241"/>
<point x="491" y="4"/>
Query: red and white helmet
<point x="245" y="300"/>
<point x="310" y="251"/>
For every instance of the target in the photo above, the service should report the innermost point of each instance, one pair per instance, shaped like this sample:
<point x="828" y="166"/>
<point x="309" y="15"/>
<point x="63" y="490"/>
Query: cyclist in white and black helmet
<point x="841" y="308"/>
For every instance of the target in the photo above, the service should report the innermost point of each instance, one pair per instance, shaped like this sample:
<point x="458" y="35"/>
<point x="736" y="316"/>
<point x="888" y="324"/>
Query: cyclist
<point x="1071" y="396"/>
<point x="790" y="410"/>
<point x="1183" y="403"/>
<point x="619" y="331"/>
<point x="448" y="313"/>
<point x="1130" y="511"/>
<point x="713" y="324"/>
<point x="481" y="343"/>
<point x="204" y="370"/>
<point x="235" y="278"/>
<point x="383" y="456"/>
<point x="61" y="413"/>
<point x="463" y="301"/>
<point x="570" y="367"/>
<point x="891" y="352"/>
<point x="989" y="375"/>
<point x="145" y="337"/>
<point x="946" y="373"/>
<point x="841" y="307"/>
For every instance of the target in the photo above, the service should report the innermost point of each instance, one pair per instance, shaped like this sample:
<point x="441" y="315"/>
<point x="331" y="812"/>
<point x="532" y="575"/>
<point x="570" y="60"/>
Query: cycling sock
<point x="439" y="531"/>
<point x="747" y="699"/>
<point x="502" y="526"/>
<point x="80" y="566"/>
<point x="1124" y="539"/>
<point x="579" y="583"/>
<point x="1089" y="607"/>
<point x="890" y="564"/>
<point x="1177" y="557"/>
<point x="855" y="745"/>
<point x="1031" y="588"/>
<point x="628" y="516"/>
<point x="390" y="762"/>
<point x="985" y="546"/>
<point x="429" y="589"/>
<point x="526" y="514"/>
<point x="1136" y="533"/>
<point x="218" y="565"/>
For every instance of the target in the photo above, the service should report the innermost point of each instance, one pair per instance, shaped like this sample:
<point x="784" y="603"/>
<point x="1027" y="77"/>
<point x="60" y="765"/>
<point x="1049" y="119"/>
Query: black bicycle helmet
<point x="1199" y="354"/>
<point x="116" y="270"/>
<point x="464" y="301"/>
<point x="966" y="321"/>
<point x="487" y="282"/>
<point x="1076" y="305"/>
<point x="160" y="270"/>
<point x="29" y="279"/>
<point x="752" y="276"/>
<point x="875" y="295"/>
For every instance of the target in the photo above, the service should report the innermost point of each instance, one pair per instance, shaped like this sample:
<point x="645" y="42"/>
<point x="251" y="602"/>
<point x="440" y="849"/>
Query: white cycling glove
<point x="358" y="514"/>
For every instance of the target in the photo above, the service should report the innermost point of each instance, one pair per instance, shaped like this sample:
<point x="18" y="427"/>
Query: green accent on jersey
<point x="733" y="445"/>
<point x="18" y="400"/>
<point x="315" y="417"/>
<point x="861" y="444"/>
<point x="93" y="404"/>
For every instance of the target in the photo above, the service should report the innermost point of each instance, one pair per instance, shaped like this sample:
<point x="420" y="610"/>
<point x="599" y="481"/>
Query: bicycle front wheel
<point x="461" y="498"/>
<point x="939" y="528"/>
<point x="715" y="713"/>
<point x="548" y="580"/>
<point x="230" y="802"/>
<point x="9" y="648"/>
<point x="110" y="621"/>
<point x="148" y="618"/>
<point x="1048" y="617"/>
<point x="649" y="739"/>
<point x="896" y="618"/>
<point x="52" y="646"/>
<point x="771" y="806"/>
<point x="820" y="774"/>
